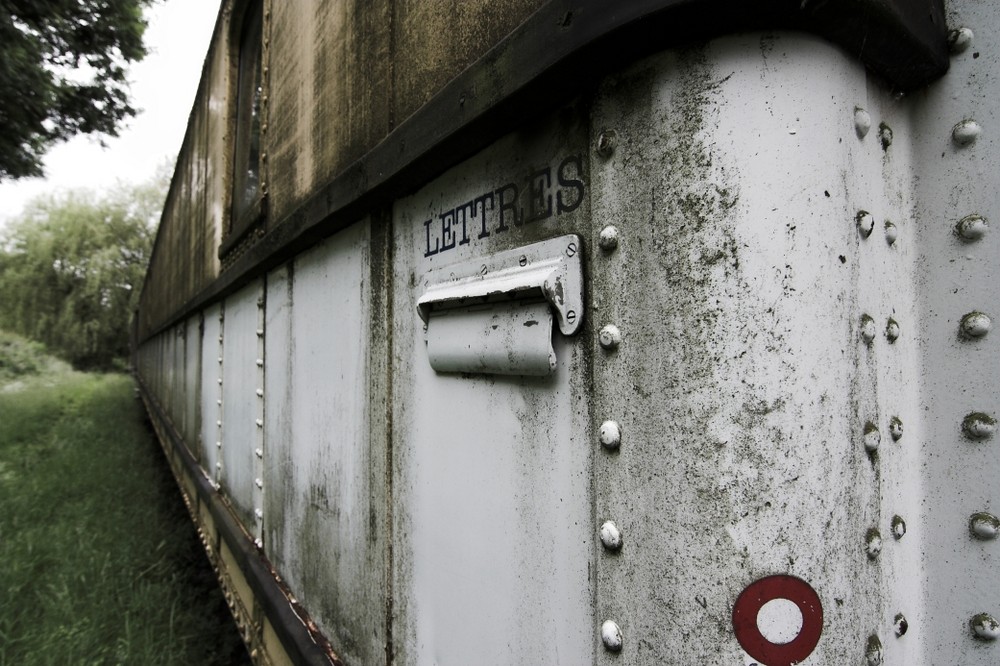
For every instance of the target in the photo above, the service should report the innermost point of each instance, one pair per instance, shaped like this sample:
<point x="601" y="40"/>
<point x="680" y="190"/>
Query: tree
<point x="71" y="267"/>
<point x="62" y="73"/>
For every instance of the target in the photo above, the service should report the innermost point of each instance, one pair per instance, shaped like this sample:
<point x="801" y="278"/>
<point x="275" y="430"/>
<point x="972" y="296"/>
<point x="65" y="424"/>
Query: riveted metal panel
<point x="211" y="391"/>
<point x="193" y="386"/>
<point x="955" y="174"/>
<point x="494" y="536"/>
<point x="241" y="417"/>
<point x="324" y="476"/>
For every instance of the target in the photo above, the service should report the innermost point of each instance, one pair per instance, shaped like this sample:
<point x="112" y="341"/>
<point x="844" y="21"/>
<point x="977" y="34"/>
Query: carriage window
<point x="246" y="160"/>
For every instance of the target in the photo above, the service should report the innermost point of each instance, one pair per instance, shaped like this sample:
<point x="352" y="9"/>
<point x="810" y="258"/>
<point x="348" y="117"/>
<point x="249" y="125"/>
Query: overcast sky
<point x="163" y="88"/>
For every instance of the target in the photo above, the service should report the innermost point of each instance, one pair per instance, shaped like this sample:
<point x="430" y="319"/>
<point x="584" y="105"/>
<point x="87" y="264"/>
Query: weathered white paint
<point x="211" y="390"/>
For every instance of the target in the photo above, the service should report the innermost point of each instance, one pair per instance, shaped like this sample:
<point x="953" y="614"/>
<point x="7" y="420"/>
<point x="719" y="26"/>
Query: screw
<point x="523" y="261"/>
<point x="884" y="135"/>
<point x="960" y="39"/>
<point x="872" y="437"/>
<point x="606" y="143"/>
<point x="610" y="435"/>
<point x="978" y="425"/>
<point x="891" y="233"/>
<point x="865" y="222"/>
<point x="609" y="238"/>
<point x="984" y="526"/>
<point x="611" y="536"/>
<point x="900" y="625"/>
<point x="862" y="122"/>
<point x="483" y="270"/>
<point x="972" y="227"/>
<point x="610" y="337"/>
<point x="891" y="330"/>
<point x="873" y="543"/>
<point x="611" y="636"/>
<point x="898" y="527"/>
<point x="571" y="316"/>
<point x="873" y="651"/>
<point x="966" y="132"/>
<point x="985" y="627"/>
<point x="975" y="325"/>
<point x="867" y="329"/>
<point x="895" y="428"/>
<point x="571" y="250"/>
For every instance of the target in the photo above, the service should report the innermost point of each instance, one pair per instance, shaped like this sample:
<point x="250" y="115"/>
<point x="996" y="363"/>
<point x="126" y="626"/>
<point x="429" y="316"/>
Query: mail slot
<point x="496" y="314"/>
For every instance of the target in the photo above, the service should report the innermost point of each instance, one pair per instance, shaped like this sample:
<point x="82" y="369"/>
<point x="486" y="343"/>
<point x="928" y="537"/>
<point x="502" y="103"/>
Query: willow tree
<point x="71" y="267"/>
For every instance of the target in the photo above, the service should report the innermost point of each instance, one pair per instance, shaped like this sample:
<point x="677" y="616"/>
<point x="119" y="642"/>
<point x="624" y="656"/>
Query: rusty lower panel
<point x="274" y="627"/>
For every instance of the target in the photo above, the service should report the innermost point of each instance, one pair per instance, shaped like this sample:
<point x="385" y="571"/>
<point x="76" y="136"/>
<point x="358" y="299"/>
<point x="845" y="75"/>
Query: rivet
<point x="260" y="393"/>
<point x="872" y="437"/>
<point x="960" y="39"/>
<point x="260" y="302"/>
<point x="985" y="627"/>
<point x="606" y="143"/>
<point x="218" y="423"/>
<point x="260" y="363"/>
<point x="220" y="360"/>
<point x="900" y="625"/>
<point x="218" y="445"/>
<point x="891" y="233"/>
<point x="220" y="381"/>
<point x="259" y="483"/>
<point x="873" y="651"/>
<point x="892" y="330"/>
<point x="259" y="422"/>
<point x="984" y="526"/>
<point x="259" y="513"/>
<point x="896" y="428"/>
<point x="865" y="222"/>
<point x="219" y="403"/>
<point x="898" y="527"/>
<point x="972" y="227"/>
<point x="259" y="543"/>
<point x="260" y="332"/>
<point x="610" y="435"/>
<point x="862" y="122"/>
<point x="976" y="325"/>
<point x="611" y="536"/>
<point x="609" y="238"/>
<point x="978" y="425"/>
<point x="867" y="329"/>
<point x="884" y="135"/>
<point x="259" y="453"/>
<point x="218" y="465"/>
<point x="610" y="337"/>
<point x="611" y="636"/>
<point x="220" y="337"/>
<point x="873" y="543"/>
<point x="966" y="132"/>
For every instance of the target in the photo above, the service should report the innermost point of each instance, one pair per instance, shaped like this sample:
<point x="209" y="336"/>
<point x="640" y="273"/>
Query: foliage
<point x="71" y="267"/>
<point x="62" y="69"/>
<point x="22" y="358"/>
<point x="99" y="560"/>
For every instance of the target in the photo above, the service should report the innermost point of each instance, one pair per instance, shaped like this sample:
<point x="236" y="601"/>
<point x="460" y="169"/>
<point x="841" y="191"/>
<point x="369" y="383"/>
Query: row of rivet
<point x="259" y="422"/>
<point x="610" y="433"/>
<point x="217" y="482"/>
<point x="963" y="133"/>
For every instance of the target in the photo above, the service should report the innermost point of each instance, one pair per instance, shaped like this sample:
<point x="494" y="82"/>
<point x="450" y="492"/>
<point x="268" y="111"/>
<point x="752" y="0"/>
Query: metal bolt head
<point x="873" y="651"/>
<point x="975" y="325"/>
<point x="884" y="135"/>
<point x="873" y="543"/>
<point x="895" y="428"/>
<point x="960" y="39"/>
<point x="571" y="250"/>
<point x="972" y="228"/>
<point x="523" y="260"/>
<point x="984" y="526"/>
<point x="611" y="636"/>
<point x="900" y="625"/>
<point x="611" y="536"/>
<point x="607" y="140"/>
<point x="891" y="330"/>
<point x="978" y="425"/>
<point x="872" y="437"/>
<point x="865" y="222"/>
<point x="610" y="337"/>
<point x="862" y="122"/>
<point x="609" y="238"/>
<point x="985" y="627"/>
<point x="891" y="233"/>
<point x="898" y="527"/>
<point x="966" y="132"/>
<point x="867" y="329"/>
<point x="610" y="435"/>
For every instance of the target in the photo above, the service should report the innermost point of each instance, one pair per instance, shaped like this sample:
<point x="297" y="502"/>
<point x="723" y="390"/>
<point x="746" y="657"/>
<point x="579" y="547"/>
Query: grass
<point x="99" y="561"/>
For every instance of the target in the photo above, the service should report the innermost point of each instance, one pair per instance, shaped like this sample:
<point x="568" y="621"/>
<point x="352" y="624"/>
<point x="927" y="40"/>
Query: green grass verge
<point x="99" y="560"/>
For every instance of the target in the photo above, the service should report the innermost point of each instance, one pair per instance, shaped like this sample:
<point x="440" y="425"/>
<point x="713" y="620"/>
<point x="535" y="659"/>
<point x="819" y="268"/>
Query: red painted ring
<point x="753" y="598"/>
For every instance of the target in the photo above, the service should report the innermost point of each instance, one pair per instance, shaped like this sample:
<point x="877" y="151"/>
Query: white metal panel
<point x="192" y="386"/>
<point x="493" y="535"/>
<point x="324" y="474"/>
<point x="240" y="409"/>
<point x="960" y="475"/>
<point x="211" y="390"/>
